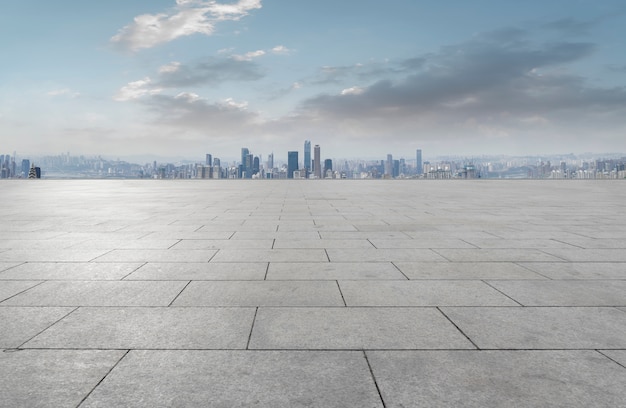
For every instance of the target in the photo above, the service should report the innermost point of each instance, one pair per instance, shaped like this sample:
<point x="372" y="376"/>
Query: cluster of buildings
<point x="310" y="165"/>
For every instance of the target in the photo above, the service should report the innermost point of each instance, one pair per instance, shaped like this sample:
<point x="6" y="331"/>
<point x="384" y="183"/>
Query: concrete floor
<point x="232" y="293"/>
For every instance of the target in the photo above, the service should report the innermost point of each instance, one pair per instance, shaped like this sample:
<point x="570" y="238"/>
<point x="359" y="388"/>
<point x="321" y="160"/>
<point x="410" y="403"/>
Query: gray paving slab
<point x="49" y="255"/>
<point x="26" y="244"/>
<point x="332" y="271"/>
<point x="98" y="293"/>
<point x="354" y="328"/>
<point x="199" y="271"/>
<point x="422" y="293"/>
<point x="498" y="379"/>
<point x="149" y="328"/>
<point x="224" y="244"/>
<point x="588" y="255"/>
<point x="155" y="255"/>
<point x="238" y="379"/>
<point x="579" y="270"/>
<point x="270" y="255"/>
<point x="7" y="265"/>
<point x="498" y="255"/>
<point x="565" y="292"/>
<point x="378" y="255"/>
<point x="260" y="293"/>
<point x="542" y="327"/>
<point x="126" y="244"/>
<point x="12" y="288"/>
<point x="323" y="243"/>
<point x="420" y="243"/>
<point x="466" y="270"/>
<point x="539" y="243"/>
<point x="594" y="243"/>
<point x="248" y="235"/>
<point x="343" y="235"/>
<point x="70" y="271"/>
<point x="198" y="234"/>
<point x="46" y="378"/>
<point x="20" y="324"/>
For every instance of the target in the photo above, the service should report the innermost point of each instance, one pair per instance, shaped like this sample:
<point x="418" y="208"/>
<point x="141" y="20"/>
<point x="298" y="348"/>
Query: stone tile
<point x="202" y="234"/>
<point x="354" y="328"/>
<point x="272" y="379"/>
<point x="421" y="293"/>
<point x="420" y="243"/>
<point x="565" y="293"/>
<point x="542" y="327"/>
<point x="497" y="243"/>
<point x="19" y="324"/>
<point x="322" y="243"/>
<point x="12" y="288"/>
<point x="199" y="271"/>
<point x="155" y="255"/>
<point x="579" y="270"/>
<point x="70" y="271"/>
<point x="39" y="244"/>
<point x="149" y="328"/>
<point x="271" y="255"/>
<point x="247" y="235"/>
<point x="260" y="293"/>
<point x="498" y="379"/>
<point x="593" y="243"/>
<point x="224" y="244"/>
<point x="8" y="265"/>
<point x="380" y="255"/>
<point x="588" y="255"/>
<point x="127" y="244"/>
<point x="363" y="235"/>
<point x="99" y="293"/>
<point x="465" y="270"/>
<point x="497" y="255"/>
<point x="47" y="378"/>
<point x="50" y="255"/>
<point x="332" y="271"/>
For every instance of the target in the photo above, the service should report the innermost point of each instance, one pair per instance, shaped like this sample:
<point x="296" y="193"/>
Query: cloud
<point x="188" y="17"/>
<point x="212" y="71"/>
<point x="137" y="89"/>
<point x="249" y="56"/>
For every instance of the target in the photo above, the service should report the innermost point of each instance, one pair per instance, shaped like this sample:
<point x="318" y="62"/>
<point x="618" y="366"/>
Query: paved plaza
<point x="313" y="293"/>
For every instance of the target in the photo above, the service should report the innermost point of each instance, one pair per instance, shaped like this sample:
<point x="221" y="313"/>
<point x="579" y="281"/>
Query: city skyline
<point x="178" y="78"/>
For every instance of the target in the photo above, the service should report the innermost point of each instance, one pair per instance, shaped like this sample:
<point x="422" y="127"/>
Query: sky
<point x="182" y="78"/>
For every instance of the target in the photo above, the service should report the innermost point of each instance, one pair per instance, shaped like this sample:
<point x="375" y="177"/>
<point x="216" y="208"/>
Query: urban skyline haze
<point x="178" y="78"/>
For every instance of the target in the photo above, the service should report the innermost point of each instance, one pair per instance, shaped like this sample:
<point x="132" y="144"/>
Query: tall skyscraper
<point x="244" y="171"/>
<point x="389" y="166"/>
<point x="209" y="160"/>
<point x="307" y="155"/>
<point x="270" y="161"/>
<point x="418" y="161"/>
<point x="292" y="163"/>
<point x="318" y="162"/>
<point x="328" y="165"/>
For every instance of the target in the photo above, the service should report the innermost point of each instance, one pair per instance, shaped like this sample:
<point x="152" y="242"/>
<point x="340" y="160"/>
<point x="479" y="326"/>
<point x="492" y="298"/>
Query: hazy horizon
<point x="181" y="78"/>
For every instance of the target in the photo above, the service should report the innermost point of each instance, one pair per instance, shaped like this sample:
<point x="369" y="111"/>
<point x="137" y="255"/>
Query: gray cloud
<point x="210" y="71"/>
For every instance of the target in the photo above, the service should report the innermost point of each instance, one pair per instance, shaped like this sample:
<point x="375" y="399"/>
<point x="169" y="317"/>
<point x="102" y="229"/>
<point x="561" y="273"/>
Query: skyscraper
<point x="318" y="162"/>
<point x="292" y="163"/>
<point x="389" y="166"/>
<point x="418" y="161"/>
<point x="307" y="155"/>
<point x="245" y="152"/>
<point x="328" y="165"/>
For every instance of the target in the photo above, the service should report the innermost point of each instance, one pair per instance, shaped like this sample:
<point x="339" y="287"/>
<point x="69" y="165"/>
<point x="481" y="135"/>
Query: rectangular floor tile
<point x="542" y="327"/>
<point x="465" y="270"/>
<point x="19" y="324"/>
<point x="98" y="293"/>
<point x="379" y="255"/>
<point x="70" y="271"/>
<point x="565" y="292"/>
<point x="419" y="243"/>
<point x="332" y="271"/>
<point x="49" y="255"/>
<point x="199" y="271"/>
<point x="260" y="293"/>
<point x="354" y="328"/>
<point x="156" y="255"/>
<point x="323" y="243"/>
<point x="270" y="255"/>
<point x="589" y="255"/>
<point x="52" y="378"/>
<point x="272" y="379"/>
<point x="421" y="293"/>
<point x="224" y="244"/>
<point x="498" y="379"/>
<point x="149" y="328"/>
<point x="497" y="255"/>
<point x="12" y="288"/>
<point x="579" y="270"/>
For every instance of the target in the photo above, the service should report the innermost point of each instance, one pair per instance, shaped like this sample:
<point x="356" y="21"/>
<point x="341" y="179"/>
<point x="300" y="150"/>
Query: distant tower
<point x="418" y="161"/>
<point x="270" y="161"/>
<point x="25" y="168"/>
<point x="328" y="166"/>
<point x="307" y="155"/>
<point x="389" y="166"/>
<point x="34" y="172"/>
<point x="209" y="160"/>
<point x="245" y="152"/>
<point x="292" y="163"/>
<point x="318" y="162"/>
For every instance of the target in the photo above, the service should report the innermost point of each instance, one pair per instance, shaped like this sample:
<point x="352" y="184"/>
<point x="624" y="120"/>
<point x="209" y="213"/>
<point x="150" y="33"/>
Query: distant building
<point x="209" y="160"/>
<point x="318" y="162"/>
<point x="389" y="166"/>
<point x="307" y="155"/>
<point x="328" y="166"/>
<point x="25" y="168"/>
<point x="292" y="163"/>
<point x="418" y="162"/>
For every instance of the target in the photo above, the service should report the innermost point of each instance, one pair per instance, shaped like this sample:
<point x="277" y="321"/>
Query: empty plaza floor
<point x="313" y="293"/>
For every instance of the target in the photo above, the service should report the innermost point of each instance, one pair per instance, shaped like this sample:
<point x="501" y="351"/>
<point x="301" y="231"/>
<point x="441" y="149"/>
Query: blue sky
<point x="181" y="78"/>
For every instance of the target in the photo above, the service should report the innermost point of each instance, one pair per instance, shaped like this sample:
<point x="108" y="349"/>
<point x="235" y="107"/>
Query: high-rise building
<point x="25" y="168"/>
<point x="389" y="166"/>
<point x="256" y="165"/>
<point x="418" y="162"/>
<point x="292" y="163"/>
<point x="307" y="155"/>
<point x="328" y="166"/>
<point x="209" y="160"/>
<point x="270" y="161"/>
<point x="318" y="162"/>
<point x="243" y="170"/>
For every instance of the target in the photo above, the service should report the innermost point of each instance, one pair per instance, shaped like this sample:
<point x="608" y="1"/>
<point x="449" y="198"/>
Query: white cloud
<point x="189" y="17"/>
<point x="170" y="68"/>
<point x="249" y="56"/>
<point x="355" y="90"/>
<point x="136" y="89"/>
<point x="281" y="50"/>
